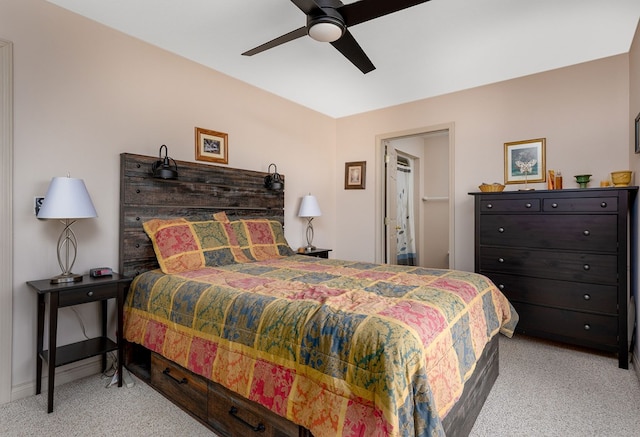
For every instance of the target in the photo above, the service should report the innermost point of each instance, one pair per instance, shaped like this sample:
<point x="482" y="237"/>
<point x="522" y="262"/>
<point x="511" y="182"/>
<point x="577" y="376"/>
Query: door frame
<point x="6" y="222"/>
<point x="380" y="186"/>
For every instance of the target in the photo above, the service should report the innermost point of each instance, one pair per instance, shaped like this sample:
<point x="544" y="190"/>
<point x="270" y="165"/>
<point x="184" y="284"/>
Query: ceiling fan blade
<point x="365" y="10"/>
<point x="295" y="34"/>
<point x="349" y="47"/>
<point x="309" y="7"/>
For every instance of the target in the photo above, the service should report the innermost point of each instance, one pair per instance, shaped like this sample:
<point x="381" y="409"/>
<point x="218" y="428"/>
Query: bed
<point x="229" y="323"/>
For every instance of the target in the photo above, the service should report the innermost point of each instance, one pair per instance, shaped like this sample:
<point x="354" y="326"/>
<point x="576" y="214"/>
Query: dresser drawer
<point x="509" y="205"/>
<point x="577" y="327"/>
<point x="88" y="294"/>
<point x="572" y="232"/>
<point x="565" y="266"/>
<point x="581" y="204"/>
<point x="231" y="414"/>
<point x="183" y="387"/>
<point x="560" y="294"/>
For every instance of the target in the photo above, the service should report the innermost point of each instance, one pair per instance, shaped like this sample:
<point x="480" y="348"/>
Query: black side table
<point x="69" y="294"/>
<point x="318" y="253"/>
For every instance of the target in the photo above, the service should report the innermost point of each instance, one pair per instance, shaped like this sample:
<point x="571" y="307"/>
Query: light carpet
<point x="87" y="408"/>
<point x="543" y="390"/>
<point x="546" y="389"/>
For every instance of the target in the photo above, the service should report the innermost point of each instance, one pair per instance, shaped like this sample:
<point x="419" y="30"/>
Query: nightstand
<point x="69" y="294"/>
<point x="318" y="253"/>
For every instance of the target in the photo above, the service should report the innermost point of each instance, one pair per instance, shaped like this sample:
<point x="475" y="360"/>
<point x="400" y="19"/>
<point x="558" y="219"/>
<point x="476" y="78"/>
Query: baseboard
<point x="65" y="374"/>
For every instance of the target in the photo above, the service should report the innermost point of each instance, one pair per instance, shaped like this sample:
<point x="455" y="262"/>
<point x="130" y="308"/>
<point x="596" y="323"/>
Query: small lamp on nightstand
<point x="67" y="200"/>
<point x="309" y="209"/>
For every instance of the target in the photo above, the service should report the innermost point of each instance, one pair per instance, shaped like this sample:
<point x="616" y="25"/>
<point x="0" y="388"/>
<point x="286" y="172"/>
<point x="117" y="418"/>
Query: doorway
<point x="416" y="213"/>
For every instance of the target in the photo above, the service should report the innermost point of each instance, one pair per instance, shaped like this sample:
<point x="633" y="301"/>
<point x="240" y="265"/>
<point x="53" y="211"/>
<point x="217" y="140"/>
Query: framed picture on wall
<point x="524" y="161"/>
<point x="638" y="133"/>
<point x="212" y="146"/>
<point x="355" y="174"/>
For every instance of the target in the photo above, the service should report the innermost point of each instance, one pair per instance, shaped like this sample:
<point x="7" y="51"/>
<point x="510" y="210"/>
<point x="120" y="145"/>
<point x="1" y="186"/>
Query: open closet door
<point x="390" y="221"/>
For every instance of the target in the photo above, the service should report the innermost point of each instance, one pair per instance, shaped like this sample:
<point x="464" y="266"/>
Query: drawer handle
<point x="587" y="297"/>
<point x="586" y="267"/>
<point x="603" y="205"/>
<point x="167" y="372"/>
<point x="258" y="428"/>
<point x="587" y="327"/>
<point x="527" y="205"/>
<point x="90" y="293"/>
<point x="586" y="233"/>
<point x="500" y="260"/>
<point x="554" y="205"/>
<point x="501" y="286"/>
<point x="489" y="206"/>
<point x="501" y="230"/>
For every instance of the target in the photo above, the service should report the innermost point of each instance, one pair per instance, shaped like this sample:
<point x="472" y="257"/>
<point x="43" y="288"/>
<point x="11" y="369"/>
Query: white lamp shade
<point x="309" y="207"/>
<point x="67" y="198"/>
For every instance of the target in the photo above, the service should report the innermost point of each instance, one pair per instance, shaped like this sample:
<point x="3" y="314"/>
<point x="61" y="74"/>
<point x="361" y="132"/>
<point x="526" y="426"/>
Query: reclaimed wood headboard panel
<point x="199" y="191"/>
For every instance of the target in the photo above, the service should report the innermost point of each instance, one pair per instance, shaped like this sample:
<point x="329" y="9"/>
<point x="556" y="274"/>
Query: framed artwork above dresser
<point x="564" y="259"/>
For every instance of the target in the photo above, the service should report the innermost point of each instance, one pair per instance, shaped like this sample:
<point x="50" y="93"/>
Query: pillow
<point x="221" y="217"/>
<point x="182" y="245"/>
<point x="261" y="239"/>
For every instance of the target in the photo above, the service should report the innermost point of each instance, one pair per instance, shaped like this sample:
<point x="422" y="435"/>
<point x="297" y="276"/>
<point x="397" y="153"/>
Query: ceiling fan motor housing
<point x="327" y="27"/>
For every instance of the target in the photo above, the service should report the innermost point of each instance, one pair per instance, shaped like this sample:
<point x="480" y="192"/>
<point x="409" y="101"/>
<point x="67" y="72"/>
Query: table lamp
<point x="309" y="209"/>
<point x="67" y="200"/>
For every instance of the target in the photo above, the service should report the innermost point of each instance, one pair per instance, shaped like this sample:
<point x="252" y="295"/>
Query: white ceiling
<point x="431" y="49"/>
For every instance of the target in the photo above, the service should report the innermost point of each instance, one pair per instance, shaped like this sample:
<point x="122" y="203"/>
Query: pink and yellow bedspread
<point x="339" y="347"/>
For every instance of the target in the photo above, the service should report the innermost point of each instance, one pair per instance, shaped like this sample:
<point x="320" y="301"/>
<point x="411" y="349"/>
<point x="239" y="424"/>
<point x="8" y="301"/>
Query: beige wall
<point x="435" y="227"/>
<point x="634" y="111"/>
<point x="581" y="110"/>
<point x="84" y="94"/>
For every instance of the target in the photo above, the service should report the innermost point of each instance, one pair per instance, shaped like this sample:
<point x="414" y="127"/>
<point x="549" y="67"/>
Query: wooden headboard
<point x="199" y="191"/>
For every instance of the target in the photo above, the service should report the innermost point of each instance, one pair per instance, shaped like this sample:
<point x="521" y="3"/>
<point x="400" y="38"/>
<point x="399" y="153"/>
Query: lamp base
<point x="64" y="278"/>
<point x="309" y="249"/>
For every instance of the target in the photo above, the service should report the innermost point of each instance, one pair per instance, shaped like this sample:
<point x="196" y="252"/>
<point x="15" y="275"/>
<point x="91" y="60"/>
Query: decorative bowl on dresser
<point x="564" y="260"/>
<point x="621" y="178"/>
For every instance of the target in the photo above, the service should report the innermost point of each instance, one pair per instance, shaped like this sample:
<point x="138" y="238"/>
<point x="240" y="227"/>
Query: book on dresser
<point x="564" y="259"/>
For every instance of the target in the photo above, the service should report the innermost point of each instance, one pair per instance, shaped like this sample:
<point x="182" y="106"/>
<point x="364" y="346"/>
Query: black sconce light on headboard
<point x="163" y="169"/>
<point x="273" y="181"/>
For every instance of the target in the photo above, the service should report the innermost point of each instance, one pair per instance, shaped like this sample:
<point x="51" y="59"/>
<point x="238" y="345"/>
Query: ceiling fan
<point x="329" y="20"/>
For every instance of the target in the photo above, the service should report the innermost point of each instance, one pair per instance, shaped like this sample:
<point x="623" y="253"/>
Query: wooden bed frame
<point x="199" y="191"/>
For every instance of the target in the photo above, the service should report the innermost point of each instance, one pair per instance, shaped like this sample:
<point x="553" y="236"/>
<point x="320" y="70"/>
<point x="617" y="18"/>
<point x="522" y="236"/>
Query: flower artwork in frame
<point x="355" y="174"/>
<point x="212" y="146"/>
<point x="524" y="161"/>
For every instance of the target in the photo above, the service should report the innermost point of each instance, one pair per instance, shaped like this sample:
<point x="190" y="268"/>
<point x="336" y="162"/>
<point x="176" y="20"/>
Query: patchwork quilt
<point x="342" y="348"/>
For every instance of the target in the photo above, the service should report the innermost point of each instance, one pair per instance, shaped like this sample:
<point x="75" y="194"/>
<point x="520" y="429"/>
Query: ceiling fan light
<point x="326" y="31"/>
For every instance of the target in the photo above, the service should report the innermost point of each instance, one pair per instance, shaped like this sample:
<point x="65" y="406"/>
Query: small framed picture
<point x="638" y="133"/>
<point x="355" y="175"/>
<point x="212" y="146"/>
<point x="524" y="161"/>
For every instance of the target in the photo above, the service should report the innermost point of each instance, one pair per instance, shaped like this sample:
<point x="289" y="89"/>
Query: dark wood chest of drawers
<point x="563" y="258"/>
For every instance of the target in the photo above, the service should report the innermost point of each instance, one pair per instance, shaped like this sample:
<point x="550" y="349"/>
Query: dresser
<point x="564" y="260"/>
